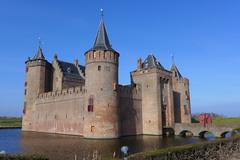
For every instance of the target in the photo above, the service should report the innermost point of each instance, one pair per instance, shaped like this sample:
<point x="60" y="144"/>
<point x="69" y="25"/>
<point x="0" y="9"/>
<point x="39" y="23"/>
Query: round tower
<point x="38" y="80"/>
<point x="101" y="99"/>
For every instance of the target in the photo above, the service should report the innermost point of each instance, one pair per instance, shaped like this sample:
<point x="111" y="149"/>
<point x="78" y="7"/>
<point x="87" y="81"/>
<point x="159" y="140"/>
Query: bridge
<point x="198" y="130"/>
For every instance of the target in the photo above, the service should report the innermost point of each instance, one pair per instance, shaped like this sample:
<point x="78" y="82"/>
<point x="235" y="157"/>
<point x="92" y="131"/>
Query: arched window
<point x="90" y="104"/>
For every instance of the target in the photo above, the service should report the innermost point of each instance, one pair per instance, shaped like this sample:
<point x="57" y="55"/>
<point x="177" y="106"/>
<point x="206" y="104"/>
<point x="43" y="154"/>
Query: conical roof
<point x="152" y="62"/>
<point x="175" y="71"/>
<point x="102" y="41"/>
<point x="39" y="54"/>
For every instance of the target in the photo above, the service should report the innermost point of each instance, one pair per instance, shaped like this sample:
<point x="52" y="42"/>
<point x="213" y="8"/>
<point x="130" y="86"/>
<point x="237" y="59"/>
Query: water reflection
<point x="61" y="147"/>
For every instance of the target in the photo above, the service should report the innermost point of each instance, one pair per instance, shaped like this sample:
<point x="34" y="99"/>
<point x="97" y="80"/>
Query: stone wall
<point x="181" y="95"/>
<point x="57" y="112"/>
<point x="157" y="99"/>
<point x="130" y="104"/>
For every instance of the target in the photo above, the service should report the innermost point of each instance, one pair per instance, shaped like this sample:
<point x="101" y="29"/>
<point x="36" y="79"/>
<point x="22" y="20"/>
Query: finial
<point x="173" y="60"/>
<point x="55" y="56"/>
<point x="101" y="12"/>
<point x="39" y="42"/>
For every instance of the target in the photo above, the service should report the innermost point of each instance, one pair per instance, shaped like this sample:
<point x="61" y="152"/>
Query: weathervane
<point x="173" y="60"/>
<point x="101" y="12"/>
<point x="40" y="42"/>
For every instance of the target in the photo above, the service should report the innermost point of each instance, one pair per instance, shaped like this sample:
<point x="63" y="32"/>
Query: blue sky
<point x="203" y="35"/>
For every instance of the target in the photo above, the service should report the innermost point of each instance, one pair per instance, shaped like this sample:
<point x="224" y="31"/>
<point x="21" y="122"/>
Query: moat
<point x="60" y="147"/>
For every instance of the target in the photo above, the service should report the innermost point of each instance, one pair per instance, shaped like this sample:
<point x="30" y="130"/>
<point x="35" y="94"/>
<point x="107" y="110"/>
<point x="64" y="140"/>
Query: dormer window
<point x="69" y="70"/>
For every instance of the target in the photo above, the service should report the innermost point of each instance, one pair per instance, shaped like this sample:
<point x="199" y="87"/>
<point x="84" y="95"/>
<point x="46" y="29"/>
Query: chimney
<point x="139" y="63"/>
<point x="75" y="62"/>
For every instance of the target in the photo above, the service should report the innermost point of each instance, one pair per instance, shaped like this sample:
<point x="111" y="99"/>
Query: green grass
<point x="226" y="121"/>
<point x="10" y="122"/>
<point x="157" y="152"/>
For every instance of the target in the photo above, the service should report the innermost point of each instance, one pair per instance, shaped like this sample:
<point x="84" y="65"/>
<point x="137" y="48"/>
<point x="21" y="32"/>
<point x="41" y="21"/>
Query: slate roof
<point x="69" y="69"/>
<point x="176" y="71"/>
<point x="152" y="62"/>
<point x="39" y="54"/>
<point x="102" y="42"/>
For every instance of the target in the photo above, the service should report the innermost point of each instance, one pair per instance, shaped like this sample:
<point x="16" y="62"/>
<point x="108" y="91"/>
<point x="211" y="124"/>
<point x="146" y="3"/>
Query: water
<point x="62" y="147"/>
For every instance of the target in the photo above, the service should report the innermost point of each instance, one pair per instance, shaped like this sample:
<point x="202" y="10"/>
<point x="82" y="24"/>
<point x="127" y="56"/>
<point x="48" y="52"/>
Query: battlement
<point x="100" y="55"/>
<point x="70" y="91"/>
<point x="182" y="80"/>
<point x="32" y="63"/>
<point x="130" y="91"/>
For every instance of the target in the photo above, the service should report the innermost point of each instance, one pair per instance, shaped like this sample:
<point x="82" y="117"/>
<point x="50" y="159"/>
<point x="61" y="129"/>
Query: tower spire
<point x="39" y="54"/>
<point x="102" y="41"/>
<point x="174" y="68"/>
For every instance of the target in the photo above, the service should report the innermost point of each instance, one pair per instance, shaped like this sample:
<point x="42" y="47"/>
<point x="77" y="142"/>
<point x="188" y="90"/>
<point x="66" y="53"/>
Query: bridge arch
<point x="186" y="133"/>
<point x="202" y="133"/>
<point x="226" y="134"/>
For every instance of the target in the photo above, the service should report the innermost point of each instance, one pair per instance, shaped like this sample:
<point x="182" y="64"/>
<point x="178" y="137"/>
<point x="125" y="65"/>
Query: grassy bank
<point x="226" y="121"/>
<point x="8" y="122"/>
<point x="182" y="149"/>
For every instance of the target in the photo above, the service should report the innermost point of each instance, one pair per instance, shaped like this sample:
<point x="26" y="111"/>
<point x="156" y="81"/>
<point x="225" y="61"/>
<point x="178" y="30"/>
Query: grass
<point x="226" y="121"/>
<point x="10" y="122"/>
<point x="181" y="148"/>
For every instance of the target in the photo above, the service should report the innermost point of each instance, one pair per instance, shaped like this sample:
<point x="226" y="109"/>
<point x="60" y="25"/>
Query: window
<point x="99" y="68"/>
<point x="92" y="128"/>
<point x="114" y="86"/>
<point x="25" y="84"/>
<point x="24" y="107"/>
<point x="90" y="104"/>
<point x="26" y="69"/>
<point x="25" y="92"/>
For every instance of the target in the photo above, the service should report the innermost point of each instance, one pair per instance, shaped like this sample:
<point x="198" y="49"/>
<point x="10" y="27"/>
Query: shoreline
<point x="10" y="127"/>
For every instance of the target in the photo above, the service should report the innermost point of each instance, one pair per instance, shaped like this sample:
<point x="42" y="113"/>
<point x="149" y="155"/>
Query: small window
<point x="24" y="107"/>
<point x="26" y="69"/>
<point x="90" y="104"/>
<point x="69" y="70"/>
<point x="114" y="86"/>
<point x="92" y="128"/>
<point x="99" y="68"/>
<point x="25" y="92"/>
<point x="25" y="84"/>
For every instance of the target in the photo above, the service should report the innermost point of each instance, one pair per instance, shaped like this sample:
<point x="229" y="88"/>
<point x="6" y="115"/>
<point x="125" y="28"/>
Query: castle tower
<point x="38" y="80"/>
<point x="101" y="99"/>
<point x="157" y="105"/>
<point x="181" y="96"/>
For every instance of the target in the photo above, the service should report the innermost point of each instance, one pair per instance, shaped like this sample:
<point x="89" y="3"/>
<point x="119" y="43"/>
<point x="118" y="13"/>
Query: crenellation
<point x="62" y="93"/>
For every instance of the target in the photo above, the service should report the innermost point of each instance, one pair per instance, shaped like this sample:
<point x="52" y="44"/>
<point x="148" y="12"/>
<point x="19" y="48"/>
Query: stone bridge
<point x="197" y="130"/>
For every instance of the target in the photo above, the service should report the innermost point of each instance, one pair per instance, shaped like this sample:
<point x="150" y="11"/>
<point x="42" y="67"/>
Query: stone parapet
<point x="64" y="92"/>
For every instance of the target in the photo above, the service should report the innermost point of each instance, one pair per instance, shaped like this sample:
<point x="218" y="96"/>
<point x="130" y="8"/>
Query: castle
<point x="69" y="98"/>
